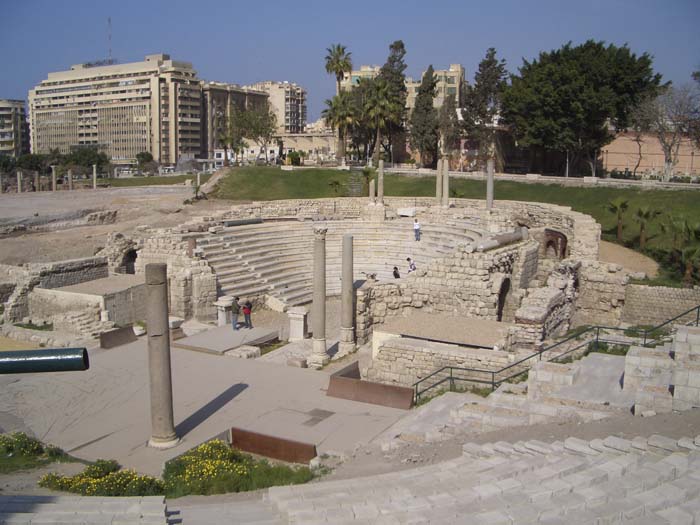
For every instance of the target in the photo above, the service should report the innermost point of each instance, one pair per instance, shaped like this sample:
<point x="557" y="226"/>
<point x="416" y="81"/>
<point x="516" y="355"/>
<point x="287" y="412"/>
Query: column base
<point x="346" y="348"/>
<point x="319" y="356"/>
<point x="163" y="444"/>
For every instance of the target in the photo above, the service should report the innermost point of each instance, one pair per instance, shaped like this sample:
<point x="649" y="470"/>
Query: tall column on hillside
<point x="37" y="181"/>
<point x="94" y="176"/>
<point x="438" y="182"/>
<point x="380" y="183"/>
<point x="53" y="178"/>
<point x="371" y="191"/>
<point x="162" y="421"/>
<point x="445" y="182"/>
<point x="19" y="181"/>
<point x="489" y="184"/>
<point x="319" y="355"/>
<point x="70" y="180"/>
<point x="347" y="299"/>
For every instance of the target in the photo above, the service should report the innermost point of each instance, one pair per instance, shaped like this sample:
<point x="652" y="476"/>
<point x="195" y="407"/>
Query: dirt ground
<point x="153" y="206"/>
<point x="628" y="259"/>
<point x="10" y="344"/>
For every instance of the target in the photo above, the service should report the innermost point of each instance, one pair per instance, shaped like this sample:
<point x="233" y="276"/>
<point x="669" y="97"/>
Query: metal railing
<point x="592" y="335"/>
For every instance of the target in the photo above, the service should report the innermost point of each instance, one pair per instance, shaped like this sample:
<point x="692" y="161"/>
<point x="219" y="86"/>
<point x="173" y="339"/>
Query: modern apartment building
<point x="449" y="83"/>
<point x="123" y="109"/>
<point x="14" y="130"/>
<point x="288" y="101"/>
<point x="218" y="99"/>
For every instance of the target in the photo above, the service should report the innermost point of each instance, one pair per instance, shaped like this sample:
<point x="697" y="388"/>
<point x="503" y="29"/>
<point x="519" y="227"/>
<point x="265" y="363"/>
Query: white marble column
<point x="445" y="182"/>
<point x="438" y="182"/>
<point x="319" y="356"/>
<point x="347" y="299"/>
<point x="94" y="176"/>
<point x="380" y="182"/>
<point x="19" y="181"/>
<point x="70" y="180"/>
<point x="371" y="191"/>
<point x="53" y="178"/>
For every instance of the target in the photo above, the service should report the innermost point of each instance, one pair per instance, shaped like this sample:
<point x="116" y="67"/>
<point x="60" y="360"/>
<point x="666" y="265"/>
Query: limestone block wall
<point x="115" y="249"/>
<point x="6" y="290"/>
<point x="405" y="361"/>
<point x="44" y="304"/>
<point x="48" y="276"/>
<point x="463" y="283"/>
<point x="192" y="283"/>
<point x="651" y="305"/>
<point x="126" y="306"/>
<point x="602" y="294"/>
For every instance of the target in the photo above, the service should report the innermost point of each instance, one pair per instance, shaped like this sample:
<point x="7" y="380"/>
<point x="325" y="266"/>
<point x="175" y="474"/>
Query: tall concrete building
<point x="288" y="101"/>
<point x="123" y="109"/>
<point x="449" y="83"/>
<point x="218" y="99"/>
<point x="14" y="129"/>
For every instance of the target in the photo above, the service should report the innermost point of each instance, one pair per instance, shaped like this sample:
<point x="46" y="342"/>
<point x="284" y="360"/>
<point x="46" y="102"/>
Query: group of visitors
<point x="236" y="309"/>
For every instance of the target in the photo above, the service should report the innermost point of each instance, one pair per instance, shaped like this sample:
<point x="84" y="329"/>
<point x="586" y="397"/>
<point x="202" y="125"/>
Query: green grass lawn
<point x="150" y="181"/>
<point x="271" y="183"/>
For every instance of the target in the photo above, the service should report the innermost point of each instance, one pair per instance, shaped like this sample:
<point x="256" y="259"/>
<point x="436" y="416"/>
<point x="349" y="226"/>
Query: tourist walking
<point x="416" y="229"/>
<point x="411" y="265"/>
<point x="397" y="275"/>
<point x="235" y="312"/>
<point x="247" y="309"/>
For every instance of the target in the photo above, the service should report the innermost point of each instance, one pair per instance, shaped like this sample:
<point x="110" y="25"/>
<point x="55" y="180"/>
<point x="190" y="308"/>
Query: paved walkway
<point x="104" y="412"/>
<point x="221" y="339"/>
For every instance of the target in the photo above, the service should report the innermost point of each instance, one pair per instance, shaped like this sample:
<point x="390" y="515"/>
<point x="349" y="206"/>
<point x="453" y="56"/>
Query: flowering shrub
<point x="104" y="478"/>
<point x="216" y="468"/>
<point x="19" y="451"/>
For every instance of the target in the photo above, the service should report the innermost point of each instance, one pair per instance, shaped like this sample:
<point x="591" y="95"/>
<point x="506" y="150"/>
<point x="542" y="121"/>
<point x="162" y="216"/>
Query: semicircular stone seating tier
<point x="276" y="258"/>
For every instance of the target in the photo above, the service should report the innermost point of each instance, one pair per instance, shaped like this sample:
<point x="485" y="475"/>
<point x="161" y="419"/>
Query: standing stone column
<point x="162" y="426"/>
<point x="445" y="182"/>
<point x="438" y="182"/>
<point x="347" y="299"/>
<point x="489" y="183"/>
<point x="53" y="178"/>
<point x="199" y="179"/>
<point x="319" y="356"/>
<point x="94" y="176"/>
<point x="380" y="183"/>
<point x="19" y="181"/>
<point x="37" y="181"/>
<point x="70" y="180"/>
<point x="371" y="191"/>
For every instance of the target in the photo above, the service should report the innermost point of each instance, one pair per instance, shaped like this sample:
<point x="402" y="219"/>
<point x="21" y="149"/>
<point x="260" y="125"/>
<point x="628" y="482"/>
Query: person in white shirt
<point x="416" y="229"/>
<point x="411" y="265"/>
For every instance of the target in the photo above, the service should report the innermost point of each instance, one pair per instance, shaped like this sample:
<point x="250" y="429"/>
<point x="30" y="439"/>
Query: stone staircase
<point x="86" y="323"/>
<point x="612" y="480"/>
<point x="65" y="510"/>
<point x="255" y="512"/>
<point x="276" y="258"/>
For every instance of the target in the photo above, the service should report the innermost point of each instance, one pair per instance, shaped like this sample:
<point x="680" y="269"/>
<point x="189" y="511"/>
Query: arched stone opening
<point x="129" y="262"/>
<point x="555" y="244"/>
<point x="503" y="296"/>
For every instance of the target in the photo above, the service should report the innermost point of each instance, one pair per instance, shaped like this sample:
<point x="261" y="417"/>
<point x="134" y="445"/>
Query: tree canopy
<point x="570" y="99"/>
<point x="448" y="125"/>
<point x="338" y="63"/>
<point x="424" y="119"/>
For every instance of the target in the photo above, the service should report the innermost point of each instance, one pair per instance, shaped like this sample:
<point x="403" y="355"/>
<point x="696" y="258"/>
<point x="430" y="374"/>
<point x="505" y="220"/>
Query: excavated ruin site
<point x="567" y="435"/>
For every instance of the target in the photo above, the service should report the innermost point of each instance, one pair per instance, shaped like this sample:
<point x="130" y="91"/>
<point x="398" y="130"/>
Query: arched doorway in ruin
<point x="129" y="262"/>
<point x="503" y="296"/>
<point x="555" y="244"/>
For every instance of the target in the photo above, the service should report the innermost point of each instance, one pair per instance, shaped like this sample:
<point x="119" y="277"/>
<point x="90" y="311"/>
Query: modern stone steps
<point x="234" y="513"/>
<point x="31" y="510"/>
<point x="526" y="482"/>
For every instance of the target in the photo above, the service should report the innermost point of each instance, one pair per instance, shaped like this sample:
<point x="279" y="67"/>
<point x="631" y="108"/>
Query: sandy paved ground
<point x="628" y="259"/>
<point x="10" y="344"/>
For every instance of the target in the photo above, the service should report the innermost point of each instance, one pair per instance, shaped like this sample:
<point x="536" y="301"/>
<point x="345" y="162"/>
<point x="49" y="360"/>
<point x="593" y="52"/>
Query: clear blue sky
<point x="247" y="41"/>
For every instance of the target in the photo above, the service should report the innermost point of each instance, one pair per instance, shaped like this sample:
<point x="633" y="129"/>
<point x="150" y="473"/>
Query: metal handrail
<point x="645" y="333"/>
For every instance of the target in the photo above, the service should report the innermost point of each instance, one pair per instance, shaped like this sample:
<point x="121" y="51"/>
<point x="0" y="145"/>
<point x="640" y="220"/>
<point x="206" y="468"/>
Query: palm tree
<point x="338" y="63"/>
<point x="339" y="115"/>
<point x="618" y="206"/>
<point x="644" y="216"/>
<point x="380" y="112"/>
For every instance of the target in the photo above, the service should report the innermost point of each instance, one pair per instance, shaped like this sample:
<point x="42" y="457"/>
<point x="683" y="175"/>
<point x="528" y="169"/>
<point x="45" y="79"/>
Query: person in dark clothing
<point x="397" y="275"/>
<point x="235" y="312"/>
<point x="247" y="309"/>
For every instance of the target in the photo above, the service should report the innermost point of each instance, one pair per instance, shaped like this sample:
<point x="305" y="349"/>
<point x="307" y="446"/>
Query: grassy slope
<point x="268" y="183"/>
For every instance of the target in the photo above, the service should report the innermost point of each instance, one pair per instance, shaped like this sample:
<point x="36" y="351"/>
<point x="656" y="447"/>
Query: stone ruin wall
<point x="602" y="294"/>
<point x="463" y="283"/>
<point x="48" y="276"/>
<point x="191" y="281"/>
<point x="652" y="305"/>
